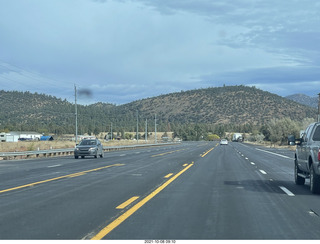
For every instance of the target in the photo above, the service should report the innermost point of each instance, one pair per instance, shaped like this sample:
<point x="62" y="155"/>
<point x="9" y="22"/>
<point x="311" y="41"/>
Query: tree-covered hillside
<point x="235" y="108"/>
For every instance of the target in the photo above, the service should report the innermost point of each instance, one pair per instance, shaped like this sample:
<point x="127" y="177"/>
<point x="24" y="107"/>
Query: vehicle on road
<point x="89" y="147"/>
<point x="224" y="142"/>
<point x="237" y="137"/>
<point x="307" y="157"/>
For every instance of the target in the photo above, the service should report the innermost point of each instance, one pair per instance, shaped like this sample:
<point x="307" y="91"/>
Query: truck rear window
<point x="316" y="135"/>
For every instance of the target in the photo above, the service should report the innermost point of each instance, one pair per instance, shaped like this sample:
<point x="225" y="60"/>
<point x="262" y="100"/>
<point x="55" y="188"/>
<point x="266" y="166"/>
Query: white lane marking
<point x="289" y="193"/>
<point x="121" y="155"/>
<point x="53" y="166"/>
<point x="273" y="153"/>
<point x="263" y="172"/>
<point x="252" y="163"/>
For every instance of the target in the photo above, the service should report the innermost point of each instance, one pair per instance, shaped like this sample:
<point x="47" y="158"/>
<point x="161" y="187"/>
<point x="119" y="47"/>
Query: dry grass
<point x="22" y="146"/>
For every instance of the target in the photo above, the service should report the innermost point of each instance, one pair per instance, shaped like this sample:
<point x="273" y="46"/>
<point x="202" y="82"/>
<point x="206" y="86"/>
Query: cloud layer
<point x="127" y="50"/>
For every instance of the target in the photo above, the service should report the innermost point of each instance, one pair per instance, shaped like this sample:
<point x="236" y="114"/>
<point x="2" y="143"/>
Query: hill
<point x="304" y="99"/>
<point x="25" y="111"/>
<point x="230" y="105"/>
<point x="222" y="105"/>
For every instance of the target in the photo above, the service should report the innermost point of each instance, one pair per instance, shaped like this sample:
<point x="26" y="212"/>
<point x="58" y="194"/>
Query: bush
<point x="277" y="130"/>
<point x="212" y="137"/>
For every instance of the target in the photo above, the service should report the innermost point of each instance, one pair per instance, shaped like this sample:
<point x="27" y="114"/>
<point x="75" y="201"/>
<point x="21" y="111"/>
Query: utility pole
<point x="155" y="129"/>
<point x="111" y="131"/>
<point x="76" y="111"/>
<point x="318" y="119"/>
<point x="146" y="133"/>
<point x="137" y="126"/>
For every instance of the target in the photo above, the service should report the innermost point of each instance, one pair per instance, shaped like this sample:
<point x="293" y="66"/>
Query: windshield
<point x="316" y="135"/>
<point x="87" y="142"/>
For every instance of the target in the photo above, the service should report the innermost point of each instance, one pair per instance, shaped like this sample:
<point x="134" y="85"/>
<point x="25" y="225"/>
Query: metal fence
<point x="67" y="151"/>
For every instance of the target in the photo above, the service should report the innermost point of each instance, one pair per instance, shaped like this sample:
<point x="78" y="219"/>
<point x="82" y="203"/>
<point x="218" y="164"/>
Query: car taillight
<point x="319" y="155"/>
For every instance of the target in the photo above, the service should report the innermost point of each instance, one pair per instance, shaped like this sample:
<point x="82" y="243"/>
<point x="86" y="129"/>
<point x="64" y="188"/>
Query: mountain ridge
<point x="304" y="99"/>
<point x="227" y="105"/>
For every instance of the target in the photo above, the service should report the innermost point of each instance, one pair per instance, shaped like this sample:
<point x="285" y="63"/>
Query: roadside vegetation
<point x="22" y="146"/>
<point x="274" y="133"/>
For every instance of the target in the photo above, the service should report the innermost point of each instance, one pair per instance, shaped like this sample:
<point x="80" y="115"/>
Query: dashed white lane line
<point x="53" y="166"/>
<point x="289" y="193"/>
<point x="262" y="171"/>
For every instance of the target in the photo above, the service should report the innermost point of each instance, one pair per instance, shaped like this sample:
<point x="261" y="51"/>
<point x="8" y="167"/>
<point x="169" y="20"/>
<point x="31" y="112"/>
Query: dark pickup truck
<point x="307" y="157"/>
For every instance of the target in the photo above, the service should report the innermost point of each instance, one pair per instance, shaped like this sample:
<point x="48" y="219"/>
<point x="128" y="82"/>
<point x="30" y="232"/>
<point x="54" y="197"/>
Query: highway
<point x="188" y="191"/>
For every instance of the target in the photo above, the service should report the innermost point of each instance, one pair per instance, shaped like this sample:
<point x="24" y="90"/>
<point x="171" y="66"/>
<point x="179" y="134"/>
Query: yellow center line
<point x="106" y="230"/>
<point x="58" y="178"/>
<point x="203" y="155"/>
<point x="168" y="175"/>
<point x="76" y="174"/>
<point x="128" y="202"/>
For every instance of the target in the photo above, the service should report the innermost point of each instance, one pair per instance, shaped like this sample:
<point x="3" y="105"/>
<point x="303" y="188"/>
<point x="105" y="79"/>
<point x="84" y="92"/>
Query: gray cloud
<point x="126" y="50"/>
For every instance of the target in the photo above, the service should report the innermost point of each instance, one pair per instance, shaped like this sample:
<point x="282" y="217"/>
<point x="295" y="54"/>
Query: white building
<point x="14" y="136"/>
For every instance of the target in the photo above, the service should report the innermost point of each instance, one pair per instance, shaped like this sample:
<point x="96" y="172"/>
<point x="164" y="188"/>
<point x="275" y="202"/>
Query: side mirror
<point x="291" y="140"/>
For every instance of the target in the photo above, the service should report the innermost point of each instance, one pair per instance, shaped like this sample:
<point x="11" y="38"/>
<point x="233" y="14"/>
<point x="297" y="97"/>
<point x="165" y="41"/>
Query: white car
<point x="224" y="142"/>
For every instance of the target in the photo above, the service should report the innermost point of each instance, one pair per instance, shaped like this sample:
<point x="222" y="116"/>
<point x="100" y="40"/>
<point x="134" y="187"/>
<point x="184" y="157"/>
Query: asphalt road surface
<point x="189" y="191"/>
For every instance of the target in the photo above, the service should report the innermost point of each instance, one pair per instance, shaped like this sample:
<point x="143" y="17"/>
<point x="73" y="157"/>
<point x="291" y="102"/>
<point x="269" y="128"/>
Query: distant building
<point x="14" y="136"/>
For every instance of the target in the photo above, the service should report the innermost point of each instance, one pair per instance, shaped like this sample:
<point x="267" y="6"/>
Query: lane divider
<point x="284" y="189"/>
<point x="205" y="153"/>
<point x="127" y="203"/>
<point x="58" y="178"/>
<point x="289" y="193"/>
<point x="168" y="175"/>
<point x="106" y="230"/>
<point x="161" y="154"/>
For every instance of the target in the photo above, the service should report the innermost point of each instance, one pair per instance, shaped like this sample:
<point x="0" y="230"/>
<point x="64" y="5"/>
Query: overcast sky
<point x="125" y="50"/>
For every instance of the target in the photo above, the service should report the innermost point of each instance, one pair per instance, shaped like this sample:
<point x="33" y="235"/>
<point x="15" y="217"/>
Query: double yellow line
<point x="106" y="230"/>
<point x="58" y="178"/>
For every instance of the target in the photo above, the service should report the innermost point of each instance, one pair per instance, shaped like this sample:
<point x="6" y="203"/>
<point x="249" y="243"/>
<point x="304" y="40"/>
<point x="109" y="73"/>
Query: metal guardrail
<point x="68" y="151"/>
